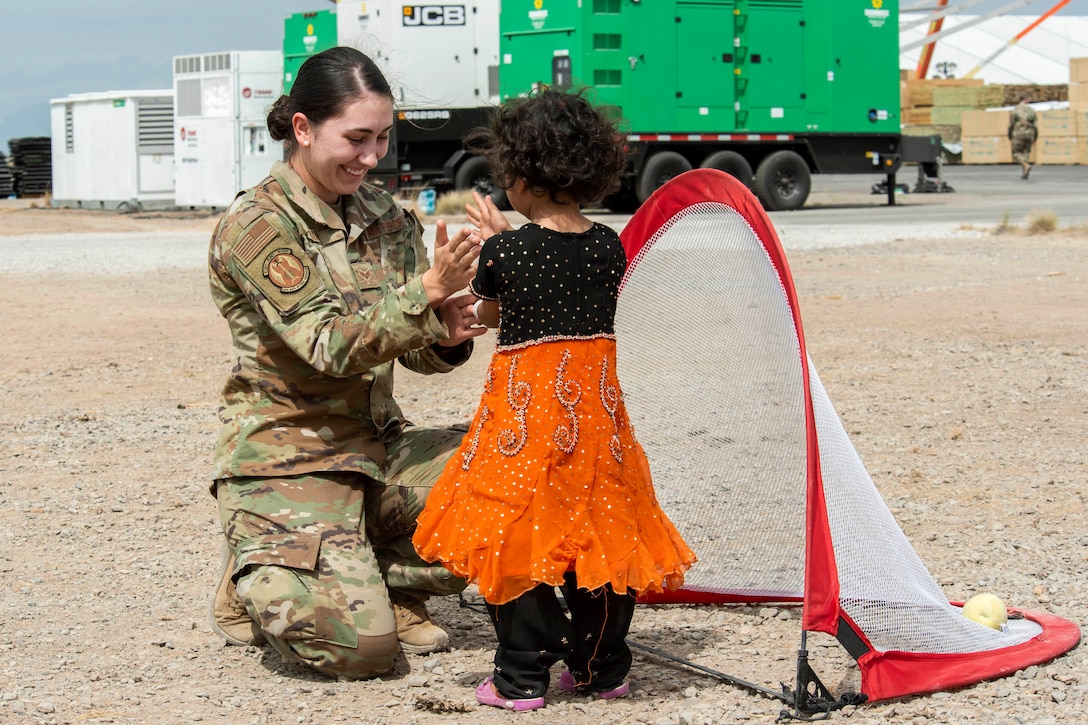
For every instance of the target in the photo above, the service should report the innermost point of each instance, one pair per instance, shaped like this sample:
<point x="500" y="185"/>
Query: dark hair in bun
<point x="326" y="84"/>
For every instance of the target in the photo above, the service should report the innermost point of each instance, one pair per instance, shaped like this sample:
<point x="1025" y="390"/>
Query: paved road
<point x="841" y="211"/>
<point x="983" y="194"/>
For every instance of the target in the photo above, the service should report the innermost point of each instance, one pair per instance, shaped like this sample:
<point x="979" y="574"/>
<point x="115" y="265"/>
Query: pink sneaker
<point x="486" y="694"/>
<point x="566" y="683"/>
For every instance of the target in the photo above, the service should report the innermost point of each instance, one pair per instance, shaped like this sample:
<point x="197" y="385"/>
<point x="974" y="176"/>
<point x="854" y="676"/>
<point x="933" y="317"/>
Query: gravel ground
<point x="955" y="357"/>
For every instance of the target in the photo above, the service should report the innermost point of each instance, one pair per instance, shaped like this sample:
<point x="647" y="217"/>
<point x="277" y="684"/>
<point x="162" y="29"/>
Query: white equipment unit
<point x="113" y="150"/>
<point x="439" y="55"/>
<point x="442" y="62"/>
<point x="222" y="141"/>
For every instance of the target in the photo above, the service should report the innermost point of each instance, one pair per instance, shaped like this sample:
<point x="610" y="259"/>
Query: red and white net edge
<point x="753" y="466"/>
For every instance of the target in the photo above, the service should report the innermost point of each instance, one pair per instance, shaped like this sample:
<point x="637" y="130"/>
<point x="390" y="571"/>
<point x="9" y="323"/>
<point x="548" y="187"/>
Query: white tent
<point x="1041" y="57"/>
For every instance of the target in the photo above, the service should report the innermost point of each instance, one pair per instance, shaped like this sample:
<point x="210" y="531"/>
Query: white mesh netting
<point x="883" y="584"/>
<point x="708" y="362"/>
<point x="710" y="365"/>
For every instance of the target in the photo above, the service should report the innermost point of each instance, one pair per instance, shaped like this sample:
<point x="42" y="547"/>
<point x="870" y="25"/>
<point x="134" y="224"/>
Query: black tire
<point x="659" y="168"/>
<point x="782" y="181"/>
<point x="731" y="163"/>
<point x="475" y="173"/>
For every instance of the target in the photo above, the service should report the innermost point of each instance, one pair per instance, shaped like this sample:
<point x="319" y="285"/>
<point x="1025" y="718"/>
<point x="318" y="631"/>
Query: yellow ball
<point x="986" y="609"/>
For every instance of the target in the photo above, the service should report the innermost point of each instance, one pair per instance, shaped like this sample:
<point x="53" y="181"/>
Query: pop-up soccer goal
<point x="753" y="466"/>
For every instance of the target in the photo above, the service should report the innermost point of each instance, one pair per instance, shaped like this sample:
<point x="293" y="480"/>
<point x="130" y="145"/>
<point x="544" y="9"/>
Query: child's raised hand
<point x="455" y="261"/>
<point x="462" y="324"/>
<point x="486" y="217"/>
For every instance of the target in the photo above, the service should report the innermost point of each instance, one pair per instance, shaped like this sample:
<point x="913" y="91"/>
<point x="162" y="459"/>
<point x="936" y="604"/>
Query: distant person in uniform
<point x="1023" y="132"/>
<point x="325" y="285"/>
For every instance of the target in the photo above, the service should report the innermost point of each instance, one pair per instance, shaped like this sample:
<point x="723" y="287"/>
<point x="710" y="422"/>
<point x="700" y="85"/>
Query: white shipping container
<point x="113" y="150"/>
<point x="220" y="124"/>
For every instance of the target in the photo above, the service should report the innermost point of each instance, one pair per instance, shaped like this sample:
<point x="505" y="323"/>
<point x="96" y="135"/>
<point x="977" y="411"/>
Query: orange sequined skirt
<point x="550" y="479"/>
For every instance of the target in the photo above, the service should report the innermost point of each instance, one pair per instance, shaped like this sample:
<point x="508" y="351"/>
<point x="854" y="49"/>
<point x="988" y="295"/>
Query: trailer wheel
<point x="472" y="174"/>
<point x="659" y="168"/>
<point x="475" y="173"/>
<point x="731" y="163"/>
<point x="782" y="181"/>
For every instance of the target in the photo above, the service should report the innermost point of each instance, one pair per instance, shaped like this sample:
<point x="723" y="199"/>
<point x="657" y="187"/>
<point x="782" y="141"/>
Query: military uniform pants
<point x="314" y="554"/>
<point x="534" y="633"/>
<point x="1021" y="148"/>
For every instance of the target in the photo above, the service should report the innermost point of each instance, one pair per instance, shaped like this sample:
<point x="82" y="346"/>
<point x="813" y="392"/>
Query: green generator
<point x="723" y="83"/>
<point x="305" y="34"/>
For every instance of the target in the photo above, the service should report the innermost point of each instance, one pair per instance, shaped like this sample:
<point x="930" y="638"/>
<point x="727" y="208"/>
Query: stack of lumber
<point x="939" y="101"/>
<point x="916" y="99"/>
<point x="950" y="102"/>
<point x="1057" y="142"/>
<point x="1063" y="134"/>
<point x="985" y="137"/>
<point x="1078" y="105"/>
<point x="1037" y="93"/>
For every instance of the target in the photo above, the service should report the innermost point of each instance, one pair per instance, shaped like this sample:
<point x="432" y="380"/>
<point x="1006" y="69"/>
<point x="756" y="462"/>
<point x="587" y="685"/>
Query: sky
<point x="52" y="48"/>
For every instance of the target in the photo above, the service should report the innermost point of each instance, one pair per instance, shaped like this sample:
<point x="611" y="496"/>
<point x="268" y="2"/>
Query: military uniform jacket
<point x="1022" y="122"/>
<point x="319" y="305"/>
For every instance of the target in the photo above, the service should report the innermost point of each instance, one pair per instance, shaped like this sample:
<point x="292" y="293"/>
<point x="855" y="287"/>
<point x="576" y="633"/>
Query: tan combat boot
<point x="228" y="615"/>
<point x="418" y="635"/>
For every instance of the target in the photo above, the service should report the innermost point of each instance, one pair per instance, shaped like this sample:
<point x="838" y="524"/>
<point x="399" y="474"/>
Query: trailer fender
<point x="454" y="162"/>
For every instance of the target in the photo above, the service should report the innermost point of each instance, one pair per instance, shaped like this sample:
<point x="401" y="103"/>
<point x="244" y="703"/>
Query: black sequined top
<point x="552" y="284"/>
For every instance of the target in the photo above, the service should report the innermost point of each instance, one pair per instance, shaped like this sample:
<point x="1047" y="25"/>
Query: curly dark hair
<point x="556" y="142"/>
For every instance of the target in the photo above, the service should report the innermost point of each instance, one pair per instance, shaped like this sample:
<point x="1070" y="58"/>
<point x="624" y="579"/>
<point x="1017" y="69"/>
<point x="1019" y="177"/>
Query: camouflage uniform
<point x="1022" y="133"/>
<point x="318" y="477"/>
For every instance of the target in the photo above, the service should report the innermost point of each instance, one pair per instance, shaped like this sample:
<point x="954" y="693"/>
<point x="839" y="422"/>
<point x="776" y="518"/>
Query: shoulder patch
<point x="285" y="270"/>
<point x="253" y="242"/>
<point x="278" y="267"/>
<point x="286" y="276"/>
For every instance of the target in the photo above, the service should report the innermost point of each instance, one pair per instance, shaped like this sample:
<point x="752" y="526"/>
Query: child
<point x="550" y="487"/>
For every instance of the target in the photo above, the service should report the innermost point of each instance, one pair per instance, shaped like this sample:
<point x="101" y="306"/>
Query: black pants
<point x="534" y="633"/>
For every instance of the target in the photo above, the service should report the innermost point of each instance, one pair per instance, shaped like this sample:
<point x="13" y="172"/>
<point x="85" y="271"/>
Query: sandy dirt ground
<point x="957" y="365"/>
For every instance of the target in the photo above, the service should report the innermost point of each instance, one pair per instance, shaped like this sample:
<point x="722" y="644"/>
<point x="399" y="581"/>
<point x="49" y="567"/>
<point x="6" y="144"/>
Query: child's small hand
<point x="457" y="313"/>
<point x="486" y="217"/>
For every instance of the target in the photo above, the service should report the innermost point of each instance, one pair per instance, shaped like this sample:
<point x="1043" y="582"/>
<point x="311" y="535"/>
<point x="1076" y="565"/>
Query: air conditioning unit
<point x="221" y="137"/>
<point x="113" y="150"/>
